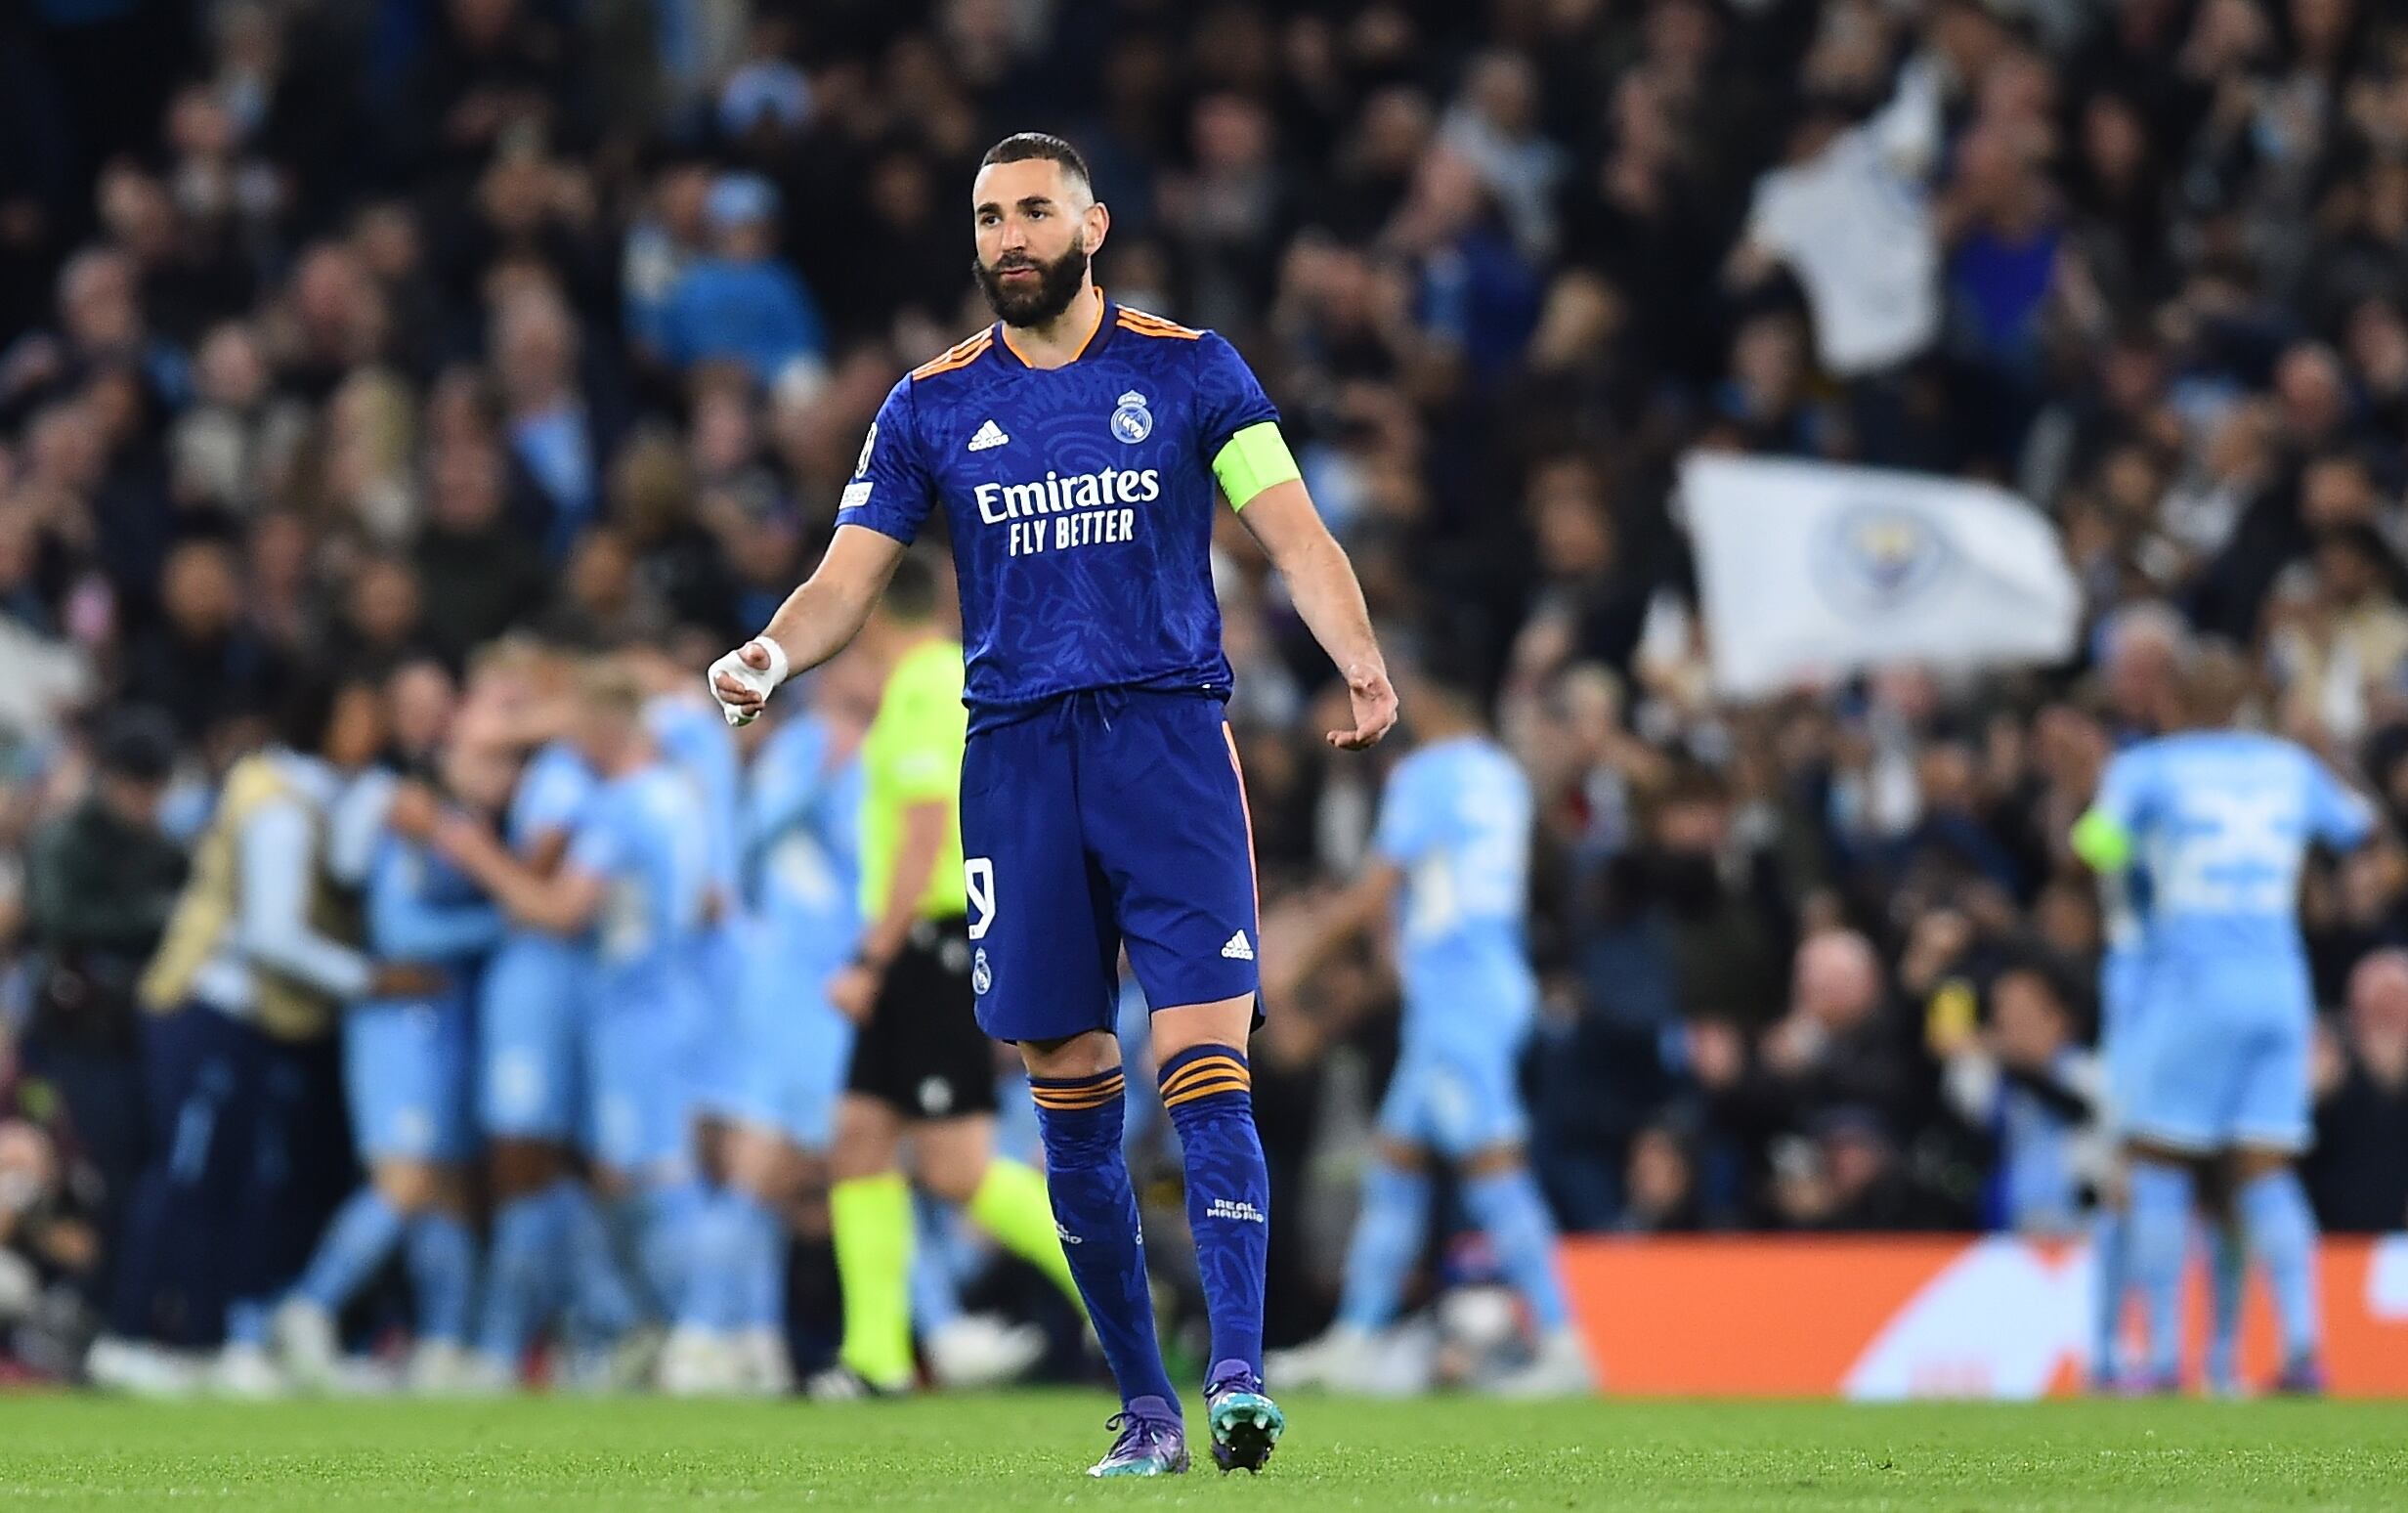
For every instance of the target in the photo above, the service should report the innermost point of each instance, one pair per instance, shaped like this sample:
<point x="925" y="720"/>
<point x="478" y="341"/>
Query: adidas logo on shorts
<point x="990" y="436"/>
<point x="1237" y="950"/>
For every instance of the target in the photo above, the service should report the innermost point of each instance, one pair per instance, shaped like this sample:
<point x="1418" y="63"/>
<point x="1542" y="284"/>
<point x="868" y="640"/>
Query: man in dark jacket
<point x="101" y="880"/>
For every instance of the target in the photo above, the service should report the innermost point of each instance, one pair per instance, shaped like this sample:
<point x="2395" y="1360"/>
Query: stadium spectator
<point x="201" y="664"/>
<point x="100" y="878"/>
<point x="2361" y="1075"/>
<point x="479" y="574"/>
<point x="738" y="302"/>
<point x="2029" y="1083"/>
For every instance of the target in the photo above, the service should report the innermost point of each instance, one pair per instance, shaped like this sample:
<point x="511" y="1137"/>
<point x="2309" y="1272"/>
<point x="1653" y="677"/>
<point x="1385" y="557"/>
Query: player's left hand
<point x="1374" y="701"/>
<point x="854" y="991"/>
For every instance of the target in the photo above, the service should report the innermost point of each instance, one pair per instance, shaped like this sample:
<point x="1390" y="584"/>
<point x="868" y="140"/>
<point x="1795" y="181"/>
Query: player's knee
<point x="1492" y="1161"/>
<point x="1399" y="1155"/>
<point x="2149" y="1153"/>
<point x="1079" y="1056"/>
<point x="520" y="1167"/>
<point x="757" y="1164"/>
<point x="868" y="1140"/>
<point x="1224" y="1022"/>
<point x="949" y="1156"/>
<point x="2251" y="1162"/>
<point x="952" y="1176"/>
<point x="409" y="1186"/>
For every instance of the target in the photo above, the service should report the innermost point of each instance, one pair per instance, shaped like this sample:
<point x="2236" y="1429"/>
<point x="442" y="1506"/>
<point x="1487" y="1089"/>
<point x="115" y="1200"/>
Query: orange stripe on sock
<point x="1083" y="1098"/>
<point x="1190" y="1094"/>
<point x="1067" y="1095"/>
<point x="1089" y="1097"/>
<point x="1209" y="1070"/>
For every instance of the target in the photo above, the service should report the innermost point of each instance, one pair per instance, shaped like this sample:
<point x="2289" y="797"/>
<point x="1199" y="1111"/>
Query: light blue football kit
<point x="2220" y="822"/>
<point x="408" y="1068"/>
<point x="530" y="1044"/>
<point x="803" y="858"/>
<point x="644" y="838"/>
<point x="1455" y="820"/>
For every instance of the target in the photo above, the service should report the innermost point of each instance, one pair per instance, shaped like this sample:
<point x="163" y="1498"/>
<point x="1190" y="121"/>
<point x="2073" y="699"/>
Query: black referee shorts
<point x="921" y="1053"/>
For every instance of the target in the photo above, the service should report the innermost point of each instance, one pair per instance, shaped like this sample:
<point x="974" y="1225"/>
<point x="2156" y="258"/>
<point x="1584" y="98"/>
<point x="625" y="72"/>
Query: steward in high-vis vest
<point x="262" y="952"/>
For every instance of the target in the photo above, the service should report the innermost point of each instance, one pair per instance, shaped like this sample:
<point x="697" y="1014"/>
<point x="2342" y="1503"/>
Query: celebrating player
<point x="2222" y="819"/>
<point x="1078" y="449"/>
<point x="407" y="1074"/>
<point x="548" y="1236"/>
<point x="633" y="886"/>
<point x="1452" y="857"/>
<point x="803" y="808"/>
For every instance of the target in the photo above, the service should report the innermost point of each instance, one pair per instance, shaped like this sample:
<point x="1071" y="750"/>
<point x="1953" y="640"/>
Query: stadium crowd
<point x="342" y="340"/>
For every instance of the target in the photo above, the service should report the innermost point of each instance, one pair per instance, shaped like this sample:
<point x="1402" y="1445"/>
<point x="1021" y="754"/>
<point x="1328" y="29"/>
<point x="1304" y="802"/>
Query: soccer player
<point x="1078" y="449"/>
<point x="801" y="864"/>
<point x="2147" y="649"/>
<point x="701" y="1356"/>
<point x="632" y="888"/>
<point x="921" y="1066"/>
<point x="405" y="1072"/>
<point x="1450" y="866"/>
<point x="2222" y="818"/>
<point x="548" y="1237"/>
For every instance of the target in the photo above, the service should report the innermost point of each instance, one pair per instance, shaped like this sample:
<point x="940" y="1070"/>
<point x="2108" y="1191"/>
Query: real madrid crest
<point x="981" y="976"/>
<point x="1133" y="423"/>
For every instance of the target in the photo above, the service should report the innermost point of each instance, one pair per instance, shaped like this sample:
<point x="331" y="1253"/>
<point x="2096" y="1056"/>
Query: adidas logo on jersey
<point x="989" y="437"/>
<point x="1237" y="950"/>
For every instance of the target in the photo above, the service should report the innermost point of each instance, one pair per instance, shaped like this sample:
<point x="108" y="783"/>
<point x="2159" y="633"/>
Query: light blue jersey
<point x="698" y="743"/>
<point x="803" y="858"/>
<point x="406" y="1062"/>
<point x="644" y="838"/>
<point x="1456" y="819"/>
<point x="533" y="1083"/>
<point x="2220" y="823"/>
<point x="696" y="740"/>
<point x="2122" y="983"/>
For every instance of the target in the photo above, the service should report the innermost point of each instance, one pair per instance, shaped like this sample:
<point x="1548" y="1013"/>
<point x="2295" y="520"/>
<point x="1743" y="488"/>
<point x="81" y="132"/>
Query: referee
<point x="920" y="1064"/>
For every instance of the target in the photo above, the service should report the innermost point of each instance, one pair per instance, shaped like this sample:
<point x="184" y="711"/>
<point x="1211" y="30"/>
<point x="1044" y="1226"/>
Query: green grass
<point x="1027" y="1451"/>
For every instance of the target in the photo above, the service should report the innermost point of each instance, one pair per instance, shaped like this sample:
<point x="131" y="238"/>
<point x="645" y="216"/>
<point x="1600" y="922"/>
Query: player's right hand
<point x="742" y="680"/>
<point x="1374" y="701"/>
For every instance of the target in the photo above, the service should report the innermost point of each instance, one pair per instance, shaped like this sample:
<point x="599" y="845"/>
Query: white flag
<point x="1810" y="571"/>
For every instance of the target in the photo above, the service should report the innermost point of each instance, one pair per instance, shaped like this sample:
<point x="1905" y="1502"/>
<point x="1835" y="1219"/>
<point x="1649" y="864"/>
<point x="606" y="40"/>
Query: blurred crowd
<point x="355" y="333"/>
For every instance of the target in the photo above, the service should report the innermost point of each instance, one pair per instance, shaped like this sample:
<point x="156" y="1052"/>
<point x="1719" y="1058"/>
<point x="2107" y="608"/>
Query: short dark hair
<point x="311" y="694"/>
<point x="136" y="742"/>
<point x="1028" y="145"/>
<point x="1450" y="664"/>
<point x="911" y="594"/>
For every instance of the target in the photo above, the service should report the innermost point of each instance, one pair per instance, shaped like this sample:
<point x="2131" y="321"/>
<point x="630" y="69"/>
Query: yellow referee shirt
<point x="913" y="755"/>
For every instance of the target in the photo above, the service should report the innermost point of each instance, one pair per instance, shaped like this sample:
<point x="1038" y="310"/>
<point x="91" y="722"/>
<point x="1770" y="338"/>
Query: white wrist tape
<point x="736" y="670"/>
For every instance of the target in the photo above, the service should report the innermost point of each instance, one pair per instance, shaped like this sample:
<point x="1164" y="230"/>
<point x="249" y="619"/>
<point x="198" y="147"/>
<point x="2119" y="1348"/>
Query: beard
<point x="1057" y="285"/>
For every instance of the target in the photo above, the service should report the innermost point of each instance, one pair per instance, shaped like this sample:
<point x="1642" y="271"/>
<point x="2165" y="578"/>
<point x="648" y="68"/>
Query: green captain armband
<point x="2102" y="843"/>
<point x="1253" y="461"/>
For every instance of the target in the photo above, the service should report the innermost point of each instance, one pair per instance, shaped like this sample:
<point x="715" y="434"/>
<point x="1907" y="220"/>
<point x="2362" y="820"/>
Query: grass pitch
<point x="1026" y="1450"/>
